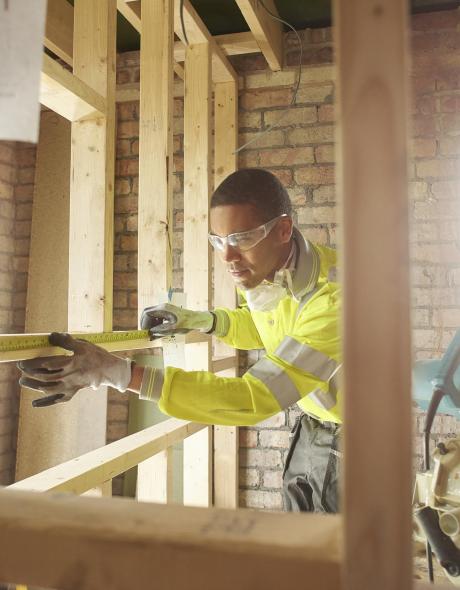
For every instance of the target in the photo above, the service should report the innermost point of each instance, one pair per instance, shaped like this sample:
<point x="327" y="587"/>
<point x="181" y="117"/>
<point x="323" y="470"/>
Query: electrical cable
<point x="296" y="85"/>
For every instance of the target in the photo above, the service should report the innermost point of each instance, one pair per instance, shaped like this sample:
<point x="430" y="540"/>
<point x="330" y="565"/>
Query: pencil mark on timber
<point x="228" y="524"/>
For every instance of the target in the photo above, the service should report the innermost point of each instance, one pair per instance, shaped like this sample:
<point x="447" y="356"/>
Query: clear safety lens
<point x="244" y="240"/>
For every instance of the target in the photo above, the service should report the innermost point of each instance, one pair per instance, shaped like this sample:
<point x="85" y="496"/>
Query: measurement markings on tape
<point x="17" y="342"/>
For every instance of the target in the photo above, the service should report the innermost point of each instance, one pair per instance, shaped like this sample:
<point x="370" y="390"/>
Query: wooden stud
<point x="226" y="468"/>
<point x="93" y="161"/>
<point x="132" y="12"/>
<point x="155" y="177"/>
<point x="267" y="31"/>
<point x="155" y="153"/>
<point x="59" y="29"/>
<point x="67" y="95"/>
<point x="372" y="105"/>
<point x="197" y="283"/>
<point x="155" y="478"/>
<point x="197" y="33"/>
<point x="92" y="201"/>
<point x="131" y="92"/>
<point x="226" y="463"/>
<point x="197" y="460"/>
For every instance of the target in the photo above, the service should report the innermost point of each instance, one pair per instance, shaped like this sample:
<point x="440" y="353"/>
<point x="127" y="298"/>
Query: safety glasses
<point x="244" y="240"/>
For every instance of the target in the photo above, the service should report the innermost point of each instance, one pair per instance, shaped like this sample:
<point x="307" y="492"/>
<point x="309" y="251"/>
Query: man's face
<point x="250" y="267"/>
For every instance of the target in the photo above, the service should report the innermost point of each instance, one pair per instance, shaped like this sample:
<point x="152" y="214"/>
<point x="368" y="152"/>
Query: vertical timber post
<point x="372" y="114"/>
<point x="91" y="200"/>
<point x="197" y="259"/>
<point x="226" y="466"/>
<point x="154" y="476"/>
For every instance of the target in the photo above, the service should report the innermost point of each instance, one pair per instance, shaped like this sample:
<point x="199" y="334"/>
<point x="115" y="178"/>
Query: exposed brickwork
<point x="17" y="163"/>
<point x="300" y="151"/>
<point x="435" y="196"/>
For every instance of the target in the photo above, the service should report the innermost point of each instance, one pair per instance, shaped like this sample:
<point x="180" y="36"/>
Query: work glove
<point x="167" y="319"/>
<point x="61" y="377"/>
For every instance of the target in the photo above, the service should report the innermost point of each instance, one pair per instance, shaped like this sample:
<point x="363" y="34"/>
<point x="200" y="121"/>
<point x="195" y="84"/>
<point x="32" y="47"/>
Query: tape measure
<point x="16" y="347"/>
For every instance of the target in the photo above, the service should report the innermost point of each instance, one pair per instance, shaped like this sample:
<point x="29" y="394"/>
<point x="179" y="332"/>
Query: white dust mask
<point x="266" y="296"/>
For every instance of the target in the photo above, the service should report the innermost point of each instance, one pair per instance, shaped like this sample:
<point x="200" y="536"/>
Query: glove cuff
<point x="152" y="384"/>
<point x="222" y="323"/>
<point x="120" y="374"/>
<point x="203" y="321"/>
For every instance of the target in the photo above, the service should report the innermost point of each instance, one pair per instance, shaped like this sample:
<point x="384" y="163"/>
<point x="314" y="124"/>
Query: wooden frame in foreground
<point x="69" y="542"/>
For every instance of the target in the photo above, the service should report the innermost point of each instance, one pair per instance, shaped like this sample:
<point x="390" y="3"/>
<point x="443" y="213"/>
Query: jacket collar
<point x="307" y="266"/>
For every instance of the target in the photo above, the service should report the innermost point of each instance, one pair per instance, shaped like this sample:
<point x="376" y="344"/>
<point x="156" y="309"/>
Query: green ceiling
<point x="223" y="16"/>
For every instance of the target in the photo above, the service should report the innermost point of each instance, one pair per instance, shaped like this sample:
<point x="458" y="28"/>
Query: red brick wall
<point x="16" y="187"/>
<point x="300" y="150"/>
<point x="305" y="136"/>
<point x="435" y="194"/>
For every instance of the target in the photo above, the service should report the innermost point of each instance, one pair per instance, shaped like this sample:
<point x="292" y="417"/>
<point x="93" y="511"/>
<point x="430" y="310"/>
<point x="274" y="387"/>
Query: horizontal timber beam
<point x="63" y="541"/>
<point x="234" y="44"/>
<point x="67" y="95"/>
<point x="59" y="33"/>
<point x="91" y="469"/>
<point x="224" y="363"/>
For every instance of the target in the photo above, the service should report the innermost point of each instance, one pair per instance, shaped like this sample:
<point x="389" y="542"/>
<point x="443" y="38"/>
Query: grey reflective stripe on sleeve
<point x="277" y="381"/>
<point x="306" y="358"/>
<point x="334" y="381"/>
<point x="152" y="384"/>
<point x="328" y="400"/>
<point x="324" y="399"/>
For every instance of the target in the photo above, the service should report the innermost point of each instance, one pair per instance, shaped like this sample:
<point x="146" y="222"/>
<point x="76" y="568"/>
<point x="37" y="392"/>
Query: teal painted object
<point x="441" y="374"/>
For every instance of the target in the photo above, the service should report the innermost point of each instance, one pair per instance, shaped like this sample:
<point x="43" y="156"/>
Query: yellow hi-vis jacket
<point x="301" y="363"/>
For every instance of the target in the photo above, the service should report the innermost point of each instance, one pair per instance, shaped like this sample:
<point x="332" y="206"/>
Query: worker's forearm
<point x="136" y="378"/>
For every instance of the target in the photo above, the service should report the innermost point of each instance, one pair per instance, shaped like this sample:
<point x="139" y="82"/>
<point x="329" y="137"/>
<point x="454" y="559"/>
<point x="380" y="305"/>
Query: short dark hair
<point x="257" y="187"/>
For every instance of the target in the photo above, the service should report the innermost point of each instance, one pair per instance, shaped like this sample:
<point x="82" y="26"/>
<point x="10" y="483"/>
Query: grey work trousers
<point x="311" y="473"/>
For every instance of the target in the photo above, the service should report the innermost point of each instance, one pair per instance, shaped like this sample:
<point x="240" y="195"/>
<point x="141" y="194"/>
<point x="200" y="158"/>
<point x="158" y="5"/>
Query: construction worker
<point x="289" y="307"/>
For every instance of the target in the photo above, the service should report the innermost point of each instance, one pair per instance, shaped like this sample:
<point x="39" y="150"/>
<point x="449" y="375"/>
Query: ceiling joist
<point x="196" y="31"/>
<point x="131" y="11"/>
<point x="267" y="31"/>
<point x="59" y="37"/>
